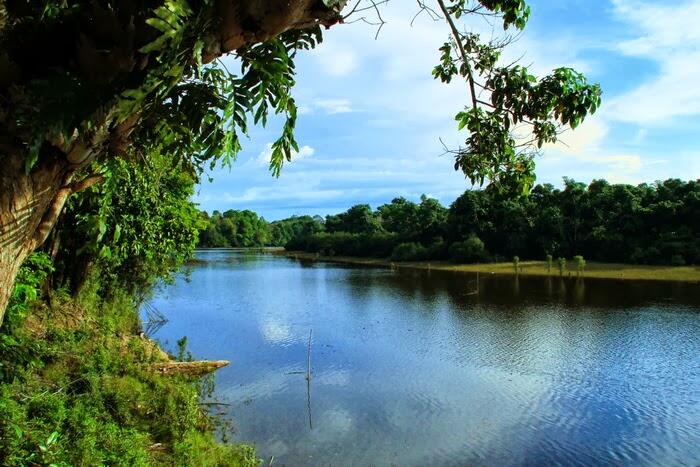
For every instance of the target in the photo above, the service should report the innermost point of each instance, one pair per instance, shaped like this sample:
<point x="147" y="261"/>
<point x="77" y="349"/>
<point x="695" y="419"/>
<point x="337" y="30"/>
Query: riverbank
<point x="527" y="268"/>
<point x="81" y="385"/>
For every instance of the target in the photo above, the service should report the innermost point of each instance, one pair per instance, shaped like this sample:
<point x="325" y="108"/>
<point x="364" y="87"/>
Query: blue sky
<point x="372" y="117"/>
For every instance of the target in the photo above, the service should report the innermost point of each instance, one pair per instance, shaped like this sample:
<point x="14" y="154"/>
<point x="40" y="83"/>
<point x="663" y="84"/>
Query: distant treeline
<point x="241" y="229"/>
<point x="646" y="224"/>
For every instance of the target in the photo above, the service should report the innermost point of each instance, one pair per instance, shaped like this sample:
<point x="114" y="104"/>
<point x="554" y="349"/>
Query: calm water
<point x="409" y="368"/>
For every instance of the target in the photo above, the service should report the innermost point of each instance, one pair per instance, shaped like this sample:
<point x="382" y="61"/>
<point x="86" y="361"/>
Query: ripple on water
<point x="409" y="370"/>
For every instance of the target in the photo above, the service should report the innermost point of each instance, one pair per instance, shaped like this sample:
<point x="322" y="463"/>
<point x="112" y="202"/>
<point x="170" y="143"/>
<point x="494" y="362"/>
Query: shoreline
<point x="613" y="271"/>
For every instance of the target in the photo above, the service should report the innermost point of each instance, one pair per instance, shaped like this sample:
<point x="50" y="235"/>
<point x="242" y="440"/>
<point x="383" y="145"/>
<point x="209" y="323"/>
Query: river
<point x="415" y="368"/>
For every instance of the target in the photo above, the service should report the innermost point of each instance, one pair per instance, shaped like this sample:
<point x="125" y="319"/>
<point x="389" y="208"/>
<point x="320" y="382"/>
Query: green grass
<point x="83" y="394"/>
<point x="532" y="268"/>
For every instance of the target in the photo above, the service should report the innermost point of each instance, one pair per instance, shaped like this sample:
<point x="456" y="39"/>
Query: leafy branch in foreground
<point x="511" y="113"/>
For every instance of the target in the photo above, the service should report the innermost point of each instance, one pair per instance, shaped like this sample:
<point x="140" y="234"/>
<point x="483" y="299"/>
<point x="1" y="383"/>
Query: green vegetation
<point x="243" y="229"/>
<point x="471" y="250"/>
<point x="527" y="268"/>
<point x="409" y="252"/>
<point x="75" y="382"/>
<point x="86" y="83"/>
<point x="644" y="224"/>
<point x="113" y="111"/>
<point x="77" y="390"/>
<point x="234" y="229"/>
<point x="137" y="227"/>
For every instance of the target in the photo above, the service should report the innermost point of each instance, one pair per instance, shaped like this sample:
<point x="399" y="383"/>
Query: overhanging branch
<point x="457" y="37"/>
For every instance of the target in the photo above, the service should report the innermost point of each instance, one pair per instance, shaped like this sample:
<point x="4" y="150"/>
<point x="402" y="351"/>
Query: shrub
<point x="438" y="250"/>
<point x="580" y="264"/>
<point x="651" y="255"/>
<point x="562" y="266"/>
<point x="16" y="350"/>
<point x="409" y="252"/>
<point x="471" y="250"/>
<point x="677" y="260"/>
<point x="93" y="402"/>
<point x="378" y="244"/>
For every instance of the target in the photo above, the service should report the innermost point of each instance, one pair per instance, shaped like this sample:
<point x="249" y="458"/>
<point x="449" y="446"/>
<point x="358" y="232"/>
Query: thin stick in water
<point x="308" y="380"/>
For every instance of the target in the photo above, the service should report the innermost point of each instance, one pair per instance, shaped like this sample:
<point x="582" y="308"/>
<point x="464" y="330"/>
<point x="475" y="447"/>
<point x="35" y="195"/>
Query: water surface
<point x="413" y="368"/>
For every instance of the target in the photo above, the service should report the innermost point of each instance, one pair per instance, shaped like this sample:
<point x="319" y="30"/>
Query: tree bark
<point x="28" y="206"/>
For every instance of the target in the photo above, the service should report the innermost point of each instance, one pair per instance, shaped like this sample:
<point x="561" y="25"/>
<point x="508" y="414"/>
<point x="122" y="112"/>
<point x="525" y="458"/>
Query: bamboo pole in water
<point x="308" y="354"/>
<point x="308" y="379"/>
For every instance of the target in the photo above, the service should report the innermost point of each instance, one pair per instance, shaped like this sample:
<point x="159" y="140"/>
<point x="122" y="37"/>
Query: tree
<point x="469" y="251"/>
<point x="235" y="229"/>
<point x="296" y="226"/>
<point x="401" y="217"/>
<point x="84" y="82"/>
<point x="469" y="215"/>
<point x="105" y="227"/>
<point x="646" y="224"/>
<point x="431" y="219"/>
<point x="357" y="219"/>
<point x="580" y="264"/>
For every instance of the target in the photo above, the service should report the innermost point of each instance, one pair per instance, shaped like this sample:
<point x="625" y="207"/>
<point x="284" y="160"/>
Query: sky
<point x="373" y="120"/>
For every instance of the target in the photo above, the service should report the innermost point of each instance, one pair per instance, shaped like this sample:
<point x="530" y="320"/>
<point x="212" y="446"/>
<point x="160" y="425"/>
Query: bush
<point x="471" y="250"/>
<point x="562" y="266"/>
<point x="92" y="401"/>
<point x="677" y="260"/>
<point x="17" y="351"/>
<point x="651" y="255"/>
<point x="378" y="244"/>
<point x="409" y="252"/>
<point x="438" y="250"/>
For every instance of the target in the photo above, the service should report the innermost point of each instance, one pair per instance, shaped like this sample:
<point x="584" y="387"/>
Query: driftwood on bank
<point x="196" y="368"/>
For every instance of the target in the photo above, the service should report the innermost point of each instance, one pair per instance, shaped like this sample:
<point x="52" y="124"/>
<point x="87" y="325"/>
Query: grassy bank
<point x="77" y="389"/>
<point x="530" y="268"/>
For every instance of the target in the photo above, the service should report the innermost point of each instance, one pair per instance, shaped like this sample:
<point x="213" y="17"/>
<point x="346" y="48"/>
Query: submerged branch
<point x="196" y="368"/>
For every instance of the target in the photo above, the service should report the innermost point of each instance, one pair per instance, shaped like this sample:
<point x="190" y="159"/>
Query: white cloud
<point x="333" y="106"/>
<point x="259" y="194"/>
<point x="335" y="59"/>
<point x="587" y="148"/>
<point x="327" y="106"/>
<point x="670" y="37"/>
<point x="640" y="136"/>
<point x="587" y="137"/>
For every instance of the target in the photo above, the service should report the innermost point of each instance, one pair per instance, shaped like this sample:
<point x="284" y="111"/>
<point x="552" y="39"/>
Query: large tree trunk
<point x="28" y="204"/>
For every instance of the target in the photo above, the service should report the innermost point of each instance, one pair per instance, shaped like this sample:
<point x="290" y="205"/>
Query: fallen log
<point x="196" y="368"/>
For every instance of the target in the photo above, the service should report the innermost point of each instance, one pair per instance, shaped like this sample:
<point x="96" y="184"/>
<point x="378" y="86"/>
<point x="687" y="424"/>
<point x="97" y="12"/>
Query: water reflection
<point x="411" y="368"/>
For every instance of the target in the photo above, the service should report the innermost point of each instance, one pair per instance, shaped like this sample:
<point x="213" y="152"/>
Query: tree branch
<point x="55" y="208"/>
<point x="49" y="218"/>
<point x="86" y="183"/>
<point x="456" y="35"/>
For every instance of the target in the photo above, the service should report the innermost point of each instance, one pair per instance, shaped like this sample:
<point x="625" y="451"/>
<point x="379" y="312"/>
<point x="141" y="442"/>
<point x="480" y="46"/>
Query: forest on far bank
<point x="644" y="224"/>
